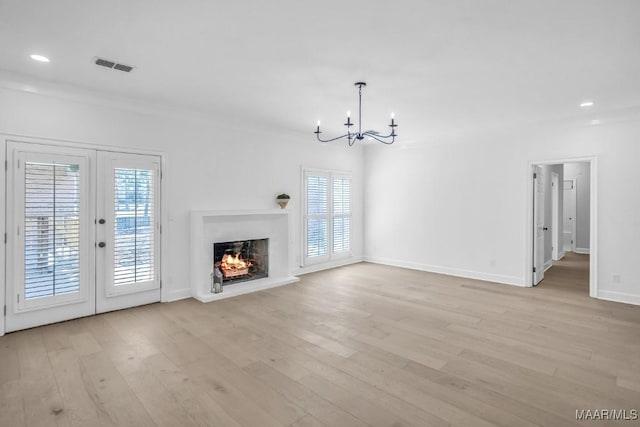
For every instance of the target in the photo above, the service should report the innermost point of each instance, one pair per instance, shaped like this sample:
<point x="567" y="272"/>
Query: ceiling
<point x="443" y="67"/>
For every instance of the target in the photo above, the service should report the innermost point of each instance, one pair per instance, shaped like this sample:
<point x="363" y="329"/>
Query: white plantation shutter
<point x="341" y="198"/>
<point x="327" y="215"/>
<point x="51" y="229"/>
<point x="317" y="212"/>
<point x="134" y="227"/>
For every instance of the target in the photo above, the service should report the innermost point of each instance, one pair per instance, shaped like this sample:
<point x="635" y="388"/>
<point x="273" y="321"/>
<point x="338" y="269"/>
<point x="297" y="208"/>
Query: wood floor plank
<point x="11" y="404"/>
<point x="84" y="343"/>
<point x="201" y="407"/>
<point x="307" y="421"/>
<point x="43" y="404"/>
<point x="355" y="346"/>
<point x="77" y="391"/>
<point x="245" y="411"/>
<point x="9" y="366"/>
<point x="320" y="408"/>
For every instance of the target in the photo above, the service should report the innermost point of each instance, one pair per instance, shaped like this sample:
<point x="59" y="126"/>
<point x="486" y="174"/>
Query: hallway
<point x="569" y="275"/>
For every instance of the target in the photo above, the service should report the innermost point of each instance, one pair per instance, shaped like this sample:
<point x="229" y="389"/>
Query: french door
<point x="128" y="231"/>
<point x="83" y="232"/>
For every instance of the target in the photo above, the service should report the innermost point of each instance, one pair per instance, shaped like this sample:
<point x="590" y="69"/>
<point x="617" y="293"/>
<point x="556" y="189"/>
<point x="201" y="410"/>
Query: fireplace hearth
<point x="241" y="261"/>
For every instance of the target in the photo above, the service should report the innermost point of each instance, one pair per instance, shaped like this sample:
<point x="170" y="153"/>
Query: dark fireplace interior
<point x="242" y="260"/>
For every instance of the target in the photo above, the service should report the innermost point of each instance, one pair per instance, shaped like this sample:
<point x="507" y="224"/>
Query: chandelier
<point x="352" y="137"/>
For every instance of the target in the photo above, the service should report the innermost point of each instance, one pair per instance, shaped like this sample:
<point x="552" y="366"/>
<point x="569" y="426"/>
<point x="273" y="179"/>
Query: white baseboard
<point x="177" y="294"/>
<point x="548" y="265"/>
<point x="584" y="251"/>
<point x="327" y="265"/>
<point x="469" y="274"/>
<point x="560" y="256"/>
<point x="619" y="297"/>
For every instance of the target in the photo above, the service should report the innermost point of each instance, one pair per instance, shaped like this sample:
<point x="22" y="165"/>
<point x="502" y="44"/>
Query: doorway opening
<point x="562" y="226"/>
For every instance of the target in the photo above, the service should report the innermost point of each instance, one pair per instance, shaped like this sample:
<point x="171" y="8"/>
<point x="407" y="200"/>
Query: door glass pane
<point x="51" y="229"/>
<point x="134" y="232"/>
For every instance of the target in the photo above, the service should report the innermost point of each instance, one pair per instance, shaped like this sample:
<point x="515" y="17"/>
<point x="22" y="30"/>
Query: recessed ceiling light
<point x="586" y="104"/>
<point x="39" y="58"/>
<point x="595" y="122"/>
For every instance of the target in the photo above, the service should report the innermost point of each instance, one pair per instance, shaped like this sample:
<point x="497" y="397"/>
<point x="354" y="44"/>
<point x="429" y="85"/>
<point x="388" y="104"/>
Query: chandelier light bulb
<point x="39" y="58"/>
<point x="393" y="116"/>
<point x="348" y="113"/>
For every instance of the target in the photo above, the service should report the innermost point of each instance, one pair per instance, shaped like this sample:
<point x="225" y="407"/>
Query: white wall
<point x="581" y="173"/>
<point x="209" y="165"/>
<point x="460" y="206"/>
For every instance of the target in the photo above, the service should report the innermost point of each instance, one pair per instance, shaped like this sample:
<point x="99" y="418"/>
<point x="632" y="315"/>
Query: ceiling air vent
<point x="113" y="65"/>
<point x="122" y="67"/>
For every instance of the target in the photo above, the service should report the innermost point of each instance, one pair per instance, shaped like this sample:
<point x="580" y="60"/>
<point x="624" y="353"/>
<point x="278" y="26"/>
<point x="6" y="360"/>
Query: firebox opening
<point x="241" y="260"/>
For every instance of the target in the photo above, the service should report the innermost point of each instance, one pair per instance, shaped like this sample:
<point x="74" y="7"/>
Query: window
<point x="51" y="229"/>
<point x="327" y="215"/>
<point x="133" y="226"/>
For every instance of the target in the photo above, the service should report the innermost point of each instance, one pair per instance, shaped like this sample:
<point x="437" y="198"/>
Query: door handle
<point x="102" y="244"/>
<point x="101" y="221"/>
<point x="545" y="228"/>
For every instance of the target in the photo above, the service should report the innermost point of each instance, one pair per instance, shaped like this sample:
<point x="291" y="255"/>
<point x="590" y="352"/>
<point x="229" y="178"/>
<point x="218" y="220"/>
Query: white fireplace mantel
<point x="208" y="227"/>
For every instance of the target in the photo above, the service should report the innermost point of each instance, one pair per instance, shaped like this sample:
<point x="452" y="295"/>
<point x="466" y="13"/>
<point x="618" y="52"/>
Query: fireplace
<point x="241" y="261"/>
<point x="208" y="227"/>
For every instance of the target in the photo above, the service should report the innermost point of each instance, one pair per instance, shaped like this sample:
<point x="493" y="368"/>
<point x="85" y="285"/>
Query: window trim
<point x="331" y="255"/>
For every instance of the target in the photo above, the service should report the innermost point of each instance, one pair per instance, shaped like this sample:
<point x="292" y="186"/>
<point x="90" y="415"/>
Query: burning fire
<point x="234" y="265"/>
<point x="233" y="262"/>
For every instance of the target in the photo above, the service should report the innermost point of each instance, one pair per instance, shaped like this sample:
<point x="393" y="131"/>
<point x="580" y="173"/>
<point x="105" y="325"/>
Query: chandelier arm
<point x="377" y="135"/>
<point x="332" y="139"/>
<point x="382" y="140"/>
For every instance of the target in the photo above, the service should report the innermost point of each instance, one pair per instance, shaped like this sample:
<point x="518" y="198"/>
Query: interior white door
<point x="128" y="231"/>
<point x="539" y="227"/>
<point x="569" y="216"/>
<point x="51" y="254"/>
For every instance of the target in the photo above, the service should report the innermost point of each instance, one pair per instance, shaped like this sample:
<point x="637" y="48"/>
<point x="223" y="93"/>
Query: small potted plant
<point x="283" y="200"/>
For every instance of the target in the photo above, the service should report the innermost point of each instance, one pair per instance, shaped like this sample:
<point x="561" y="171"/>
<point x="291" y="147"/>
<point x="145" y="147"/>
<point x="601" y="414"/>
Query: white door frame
<point x="593" y="225"/>
<point x="3" y="232"/>
<point x="165" y="296"/>
<point x="539" y="226"/>
<point x="573" y="213"/>
<point x="555" y="216"/>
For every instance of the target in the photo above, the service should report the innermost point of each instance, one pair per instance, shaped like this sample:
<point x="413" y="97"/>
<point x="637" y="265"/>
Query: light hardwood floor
<point x="355" y="346"/>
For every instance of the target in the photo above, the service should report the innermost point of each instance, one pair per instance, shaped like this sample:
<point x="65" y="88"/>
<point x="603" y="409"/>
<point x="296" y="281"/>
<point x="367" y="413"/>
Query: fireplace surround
<point x="210" y="227"/>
